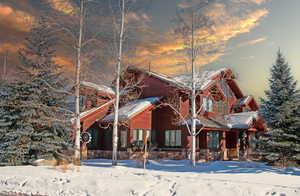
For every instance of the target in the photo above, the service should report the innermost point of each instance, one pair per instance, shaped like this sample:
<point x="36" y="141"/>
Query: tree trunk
<point x="77" y="86"/>
<point x="4" y="76"/>
<point x="117" y="100"/>
<point x="193" y="99"/>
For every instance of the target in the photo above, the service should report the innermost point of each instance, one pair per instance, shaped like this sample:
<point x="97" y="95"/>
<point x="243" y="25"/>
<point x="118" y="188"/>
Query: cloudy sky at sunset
<point x="247" y="34"/>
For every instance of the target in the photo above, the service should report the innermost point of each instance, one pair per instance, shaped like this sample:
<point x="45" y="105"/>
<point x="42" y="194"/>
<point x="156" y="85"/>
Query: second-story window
<point x="220" y="106"/>
<point x="208" y="104"/>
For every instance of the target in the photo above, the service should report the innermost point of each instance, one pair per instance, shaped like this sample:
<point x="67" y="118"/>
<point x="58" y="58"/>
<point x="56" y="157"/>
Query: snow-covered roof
<point x="167" y="79"/>
<point x="237" y="120"/>
<point x="203" y="79"/>
<point x="85" y="113"/>
<point x="70" y="102"/>
<point x="240" y="120"/>
<point x="216" y="122"/>
<point x="244" y="100"/>
<point x="99" y="87"/>
<point x="132" y="108"/>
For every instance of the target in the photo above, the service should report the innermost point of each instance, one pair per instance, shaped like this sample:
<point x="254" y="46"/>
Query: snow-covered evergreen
<point x="280" y="110"/>
<point x="33" y="121"/>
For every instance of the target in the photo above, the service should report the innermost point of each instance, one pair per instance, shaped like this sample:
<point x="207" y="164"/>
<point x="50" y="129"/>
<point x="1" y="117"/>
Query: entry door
<point x="231" y="144"/>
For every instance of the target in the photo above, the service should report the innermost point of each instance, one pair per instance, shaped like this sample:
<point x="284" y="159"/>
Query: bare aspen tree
<point x="77" y="82"/>
<point x="118" y="74"/>
<point x="191" y="21"/>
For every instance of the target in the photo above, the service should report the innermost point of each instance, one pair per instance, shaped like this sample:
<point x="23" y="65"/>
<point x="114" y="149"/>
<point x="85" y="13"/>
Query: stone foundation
<point x="205" y="155"/>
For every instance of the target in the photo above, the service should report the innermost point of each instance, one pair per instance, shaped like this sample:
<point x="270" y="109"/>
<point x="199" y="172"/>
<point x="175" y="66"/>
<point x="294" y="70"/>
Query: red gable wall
<point x="154" y="87"/>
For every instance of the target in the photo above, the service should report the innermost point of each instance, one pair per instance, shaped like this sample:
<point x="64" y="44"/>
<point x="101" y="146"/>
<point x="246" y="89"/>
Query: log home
<point x="228" y="120"/>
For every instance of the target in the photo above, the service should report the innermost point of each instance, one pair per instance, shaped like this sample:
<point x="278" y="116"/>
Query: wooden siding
<point x="88" y="120"/>
<point x="153" y="87"/>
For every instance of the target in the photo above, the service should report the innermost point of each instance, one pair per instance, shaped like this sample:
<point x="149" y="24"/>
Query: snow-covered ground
<point x="98" y="177"/>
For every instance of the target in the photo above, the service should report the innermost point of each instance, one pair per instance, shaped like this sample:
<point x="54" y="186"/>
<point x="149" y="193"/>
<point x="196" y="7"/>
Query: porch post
<point x="84" y="151"/>
<point x="223" y="143"/>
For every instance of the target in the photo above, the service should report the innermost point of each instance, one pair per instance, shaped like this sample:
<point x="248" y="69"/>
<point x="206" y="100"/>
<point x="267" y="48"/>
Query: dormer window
<point x="208" y="104"/>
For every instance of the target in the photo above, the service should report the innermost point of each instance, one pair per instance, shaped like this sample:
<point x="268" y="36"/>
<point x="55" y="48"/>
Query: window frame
<point x="211" y="140"/>
<point x="137" y="135"/>
<point x="208" y="104"/>
<point x="176" y="141"/>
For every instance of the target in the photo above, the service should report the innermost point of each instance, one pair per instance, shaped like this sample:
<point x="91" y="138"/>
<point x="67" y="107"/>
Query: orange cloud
<point x="10" y="47"/>
<point x="65" y="62"/>
<point x="16" y="19"/>
<point x="252" y="42"/>
<point x="64" y="6"/>
<point x="258" y="2"/>
<point x="167" y="53"/>
<point x="237" y="25"/>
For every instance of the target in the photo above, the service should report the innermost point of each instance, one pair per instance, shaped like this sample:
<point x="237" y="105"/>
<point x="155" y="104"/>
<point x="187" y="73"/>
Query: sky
<point x="246" y="36"/>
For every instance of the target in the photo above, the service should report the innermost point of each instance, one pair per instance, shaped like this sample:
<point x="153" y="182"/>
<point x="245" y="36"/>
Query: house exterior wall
<point x="160" y="119"/>
<point x="153" y="87"/>
<point x="90" y="119"/>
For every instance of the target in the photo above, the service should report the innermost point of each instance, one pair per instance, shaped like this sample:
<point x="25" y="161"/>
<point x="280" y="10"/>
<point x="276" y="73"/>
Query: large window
<point x="213" y="139"/>
<point x="138" y="137"/>
<point x="222" y="107"/>
<point x="172" y="138"/>
<point x="208" y="104"/>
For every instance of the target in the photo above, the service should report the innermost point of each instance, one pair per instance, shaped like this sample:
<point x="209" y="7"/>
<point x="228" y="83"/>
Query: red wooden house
<point x="228" y="119"/>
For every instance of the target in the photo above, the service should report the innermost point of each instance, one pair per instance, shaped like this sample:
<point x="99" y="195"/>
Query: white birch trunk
<point x="77" y="86"/>
<point x="117" y="100"/>
<point x="193" y="99"/>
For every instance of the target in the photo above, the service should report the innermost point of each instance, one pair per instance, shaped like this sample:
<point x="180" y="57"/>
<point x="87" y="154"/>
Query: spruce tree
<point x="34" y="114"/>
<point x="280" y="110"/>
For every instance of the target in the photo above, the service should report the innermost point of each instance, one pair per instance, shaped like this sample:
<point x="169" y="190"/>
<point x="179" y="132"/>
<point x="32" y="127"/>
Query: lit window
<point x="173" y="138"/>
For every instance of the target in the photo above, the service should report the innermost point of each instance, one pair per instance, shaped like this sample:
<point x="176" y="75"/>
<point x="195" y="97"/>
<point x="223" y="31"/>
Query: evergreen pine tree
<point x="280" y="110"/>
<point x="34" y="115"/>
